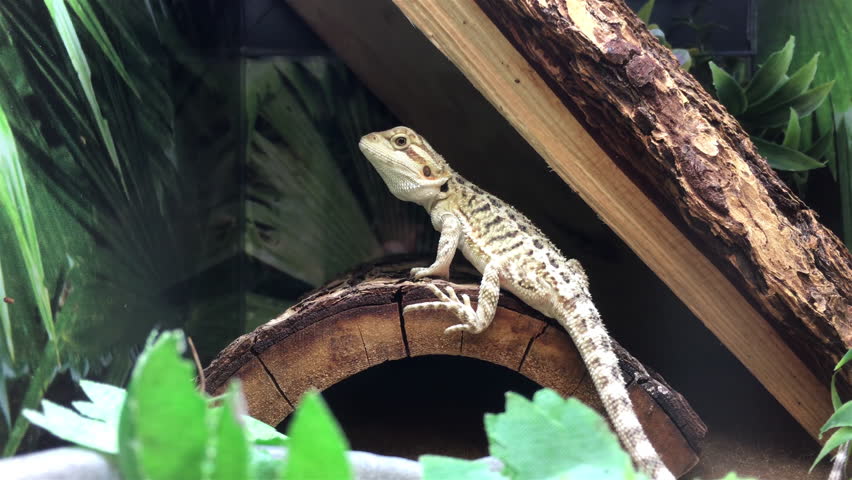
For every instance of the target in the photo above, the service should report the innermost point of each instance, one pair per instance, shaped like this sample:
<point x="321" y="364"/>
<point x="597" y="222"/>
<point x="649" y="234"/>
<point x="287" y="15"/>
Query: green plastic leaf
<point x="728" y="90"/>
<point x="550" y="437"/>
<point x="655" y="30"/>
<point x="843" y="361"/>
<point x="819" y="149"/>
<point x="264" y="465"/>
<point x="684" y="58"/>
<point x="71" y="426"/>
<point x="797" y="84"/>
<point x="819" y="26"/>
<point x="645" y="11"/>
<point x="783" y="158"/>
<point x="260" y="433"/>
<point x="317" y="445"/>
<point x="106" y="401"/>
<point x="793" y="132"/>
<point x="436" y="467"/>
<point x="837" y="439"/>
<point x="835" y="397"/>
<point x="163" y="433"/>
<point x="771" y="74"/>
<point x="804" y="104"/>
<point x="230" y="460"/>
<point x="734" y="476"/>
<point x="842" y="417"/>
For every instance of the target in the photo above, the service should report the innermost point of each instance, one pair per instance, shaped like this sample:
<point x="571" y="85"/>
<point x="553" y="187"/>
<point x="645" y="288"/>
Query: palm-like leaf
<point x="106" y="157"/>
<point x="147" y="193"/>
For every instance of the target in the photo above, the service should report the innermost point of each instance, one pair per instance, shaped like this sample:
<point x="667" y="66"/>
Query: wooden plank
<point x="462" y="32"/>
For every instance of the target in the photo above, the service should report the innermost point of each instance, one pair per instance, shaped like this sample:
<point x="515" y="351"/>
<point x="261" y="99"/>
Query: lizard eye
<point x="427" y="171"/>
<point x="400" y="141"/>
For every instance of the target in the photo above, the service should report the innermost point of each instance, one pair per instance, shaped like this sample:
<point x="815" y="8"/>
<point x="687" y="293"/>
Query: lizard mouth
<point x="370" y="146"/>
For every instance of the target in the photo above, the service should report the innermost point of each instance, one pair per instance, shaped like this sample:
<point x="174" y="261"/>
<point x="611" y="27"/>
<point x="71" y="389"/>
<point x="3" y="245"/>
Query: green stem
<point x="41" y="379"/>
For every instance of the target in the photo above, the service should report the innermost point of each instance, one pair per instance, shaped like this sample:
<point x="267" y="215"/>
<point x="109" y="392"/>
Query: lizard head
<point x="411" y="168"/>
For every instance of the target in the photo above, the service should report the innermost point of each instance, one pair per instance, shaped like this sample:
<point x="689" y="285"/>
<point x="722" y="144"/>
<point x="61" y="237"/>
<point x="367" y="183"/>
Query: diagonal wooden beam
<point x="465" y="34"/>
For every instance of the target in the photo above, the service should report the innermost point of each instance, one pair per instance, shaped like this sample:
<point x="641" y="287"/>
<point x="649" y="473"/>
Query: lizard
<point x="510" y="252"/>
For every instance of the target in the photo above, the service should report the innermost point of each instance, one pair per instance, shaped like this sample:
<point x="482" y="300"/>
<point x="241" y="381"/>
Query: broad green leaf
<point x="69" y="37"/>
<point x="264" y="465"/>
<point x="838" y="438"/>
<point x="317" y="447"/>
<point x="835" y="397"/>
<point x="783" y="158"/>
<point x="842" y="417"/>
<point x="106" y="401"/>
<point x="230" y="447"/>
<point x="684" y="58"/>
<point x="550" y="437"/>
<point x="843" y="361"/>
<point x="436" y="467"/>
<point x="728" y="90"/>
<point x="804" y="104"/>
<point x="771" y="74"/>
<point x="821" y="146"/>
<point x="793" y="132"/>
<point x="260" y="433"/>
<point x="71" y="426"/>
<point x="15" y="204"/>
<point x="734" y="476"/>
<point x="163" y="433"/>
<point x="87" y="15"/>
<point x="819" y="26"/>
<point x="657" y="33"/>
<point x="645" y="12"/>
<point x="797" y="84"/>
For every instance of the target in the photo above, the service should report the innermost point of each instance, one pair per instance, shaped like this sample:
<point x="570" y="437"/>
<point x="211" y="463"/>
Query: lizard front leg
<point x="447" y="245"/>
<point x="473" y="321"/>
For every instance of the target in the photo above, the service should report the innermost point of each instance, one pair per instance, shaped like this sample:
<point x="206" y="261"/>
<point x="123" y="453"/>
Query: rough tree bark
<point x="695" y="161"/>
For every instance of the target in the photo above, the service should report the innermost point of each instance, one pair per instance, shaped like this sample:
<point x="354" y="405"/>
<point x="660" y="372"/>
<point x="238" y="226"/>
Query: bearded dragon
<point x="512" y="253"/>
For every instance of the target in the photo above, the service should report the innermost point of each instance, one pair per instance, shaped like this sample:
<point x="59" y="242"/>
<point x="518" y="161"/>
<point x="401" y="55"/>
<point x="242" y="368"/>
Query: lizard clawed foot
<point x="461" y="308"/>
<point x="421" y="272"/>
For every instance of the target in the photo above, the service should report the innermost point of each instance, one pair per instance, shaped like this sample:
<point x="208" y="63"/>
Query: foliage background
<point x="152" y="179"/>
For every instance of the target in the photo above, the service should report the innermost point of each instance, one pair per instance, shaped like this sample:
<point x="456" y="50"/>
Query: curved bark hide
<point x="356" y="322"/>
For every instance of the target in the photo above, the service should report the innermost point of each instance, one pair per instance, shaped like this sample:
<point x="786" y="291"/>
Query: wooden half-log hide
<point x="356" y="322"/>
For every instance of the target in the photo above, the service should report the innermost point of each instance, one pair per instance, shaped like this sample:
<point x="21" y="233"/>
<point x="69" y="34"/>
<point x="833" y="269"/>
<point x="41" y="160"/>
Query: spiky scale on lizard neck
<point x="510" y="252"/>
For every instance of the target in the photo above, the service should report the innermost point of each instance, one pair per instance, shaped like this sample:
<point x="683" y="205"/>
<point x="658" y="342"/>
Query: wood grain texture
<point x="463" y="32"/>
<point x="355" y="323"/>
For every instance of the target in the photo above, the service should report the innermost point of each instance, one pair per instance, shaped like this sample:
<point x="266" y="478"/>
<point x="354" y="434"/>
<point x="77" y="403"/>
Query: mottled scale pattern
<point x="512" y="254"/>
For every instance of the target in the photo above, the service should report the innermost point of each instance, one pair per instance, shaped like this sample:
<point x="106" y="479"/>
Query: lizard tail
<point x="838" y="469"/>
<point x="583" y="322"/>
